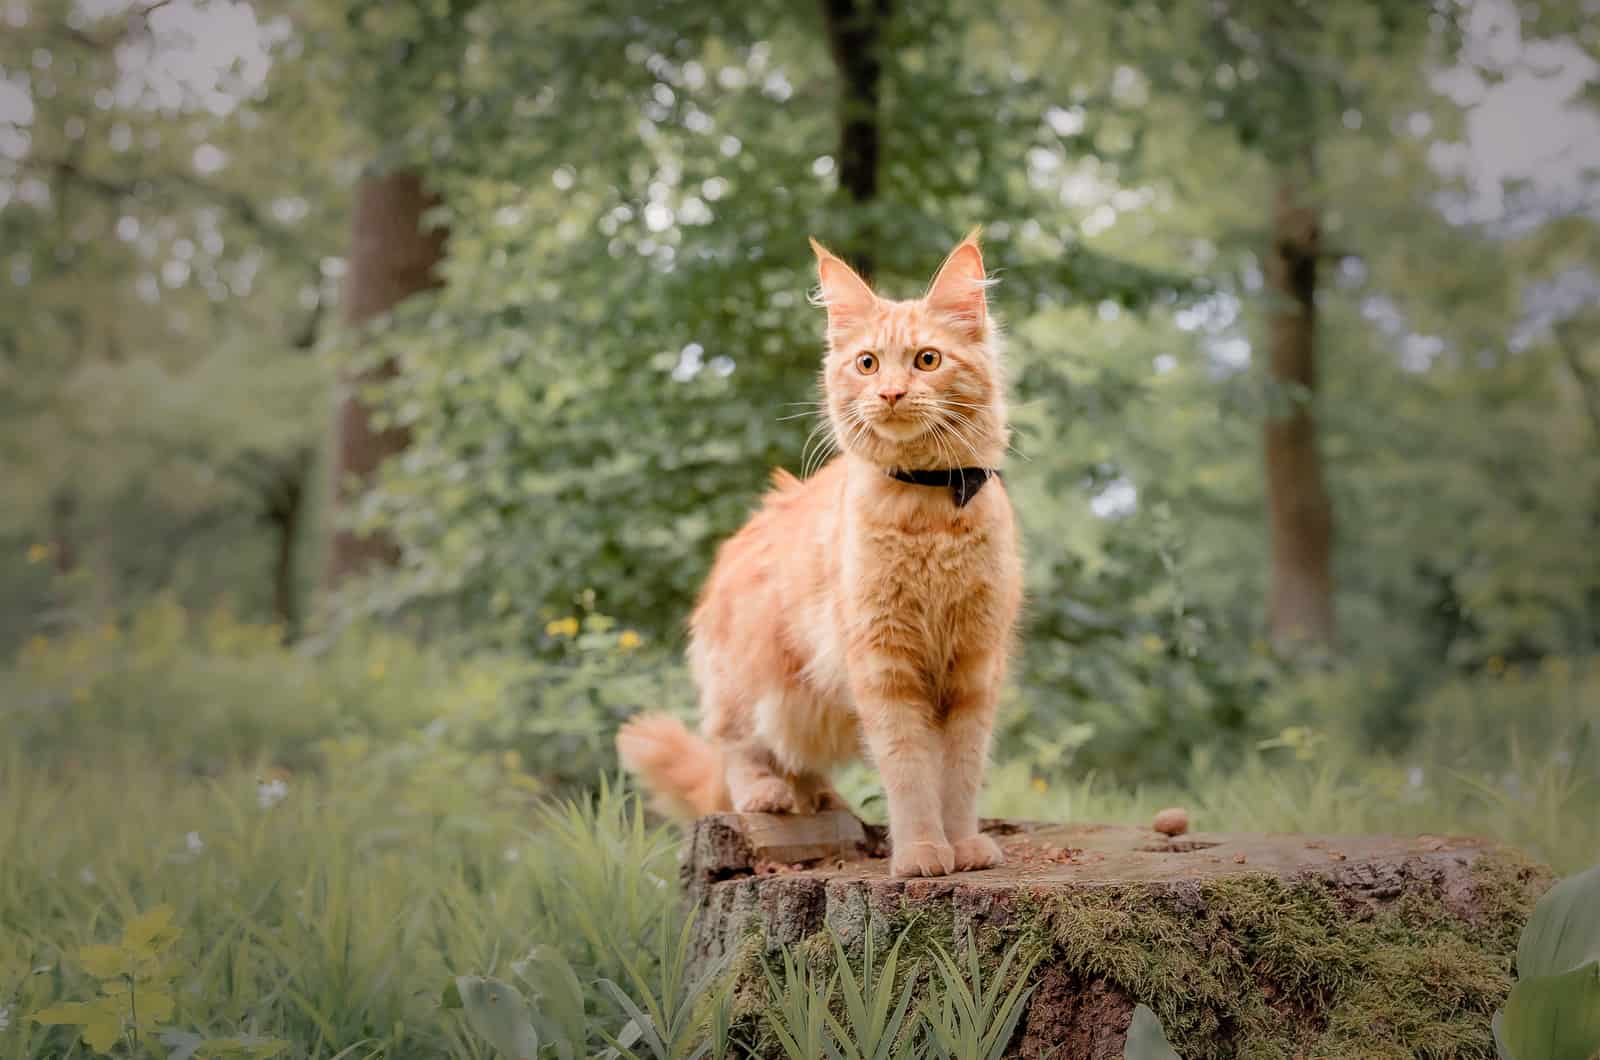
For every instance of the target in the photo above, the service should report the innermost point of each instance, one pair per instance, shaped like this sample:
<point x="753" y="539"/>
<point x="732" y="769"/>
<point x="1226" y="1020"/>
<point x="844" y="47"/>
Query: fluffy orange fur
<point x="857" y="610"/>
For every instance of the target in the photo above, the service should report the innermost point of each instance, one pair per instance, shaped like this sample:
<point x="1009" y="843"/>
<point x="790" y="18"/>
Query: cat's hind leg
<point x="756" y="784"/>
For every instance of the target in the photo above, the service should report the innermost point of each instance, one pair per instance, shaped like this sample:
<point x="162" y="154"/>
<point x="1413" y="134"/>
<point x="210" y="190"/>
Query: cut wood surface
<point x="1245" y="943"/>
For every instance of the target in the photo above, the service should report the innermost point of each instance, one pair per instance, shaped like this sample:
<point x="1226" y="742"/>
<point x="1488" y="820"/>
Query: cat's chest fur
<point x="928" y="580"/>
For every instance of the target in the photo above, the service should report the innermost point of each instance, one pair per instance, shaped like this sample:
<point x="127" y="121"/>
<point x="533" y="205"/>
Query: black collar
<point x="962" y="482"/>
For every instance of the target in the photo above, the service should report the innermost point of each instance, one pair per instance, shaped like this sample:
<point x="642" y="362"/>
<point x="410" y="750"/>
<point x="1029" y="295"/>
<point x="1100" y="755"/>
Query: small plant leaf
<point x="150" y="932"/>
<point x="101" y="1020"/>
<point x="1564" y="931"/>
<point x="499" y="1012"/>
<point x="1146" y="1038"/>
<point x="1553" y="1017"/>
<point x="451" y="998"/>
<point x="105" y="962"/>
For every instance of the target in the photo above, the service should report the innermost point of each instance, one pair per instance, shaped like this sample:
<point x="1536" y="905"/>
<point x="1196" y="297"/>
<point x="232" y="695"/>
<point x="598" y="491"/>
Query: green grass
<point x="333" y="857"/>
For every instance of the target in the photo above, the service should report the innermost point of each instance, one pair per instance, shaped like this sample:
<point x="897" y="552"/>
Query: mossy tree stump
<point x="1245" y="945"/>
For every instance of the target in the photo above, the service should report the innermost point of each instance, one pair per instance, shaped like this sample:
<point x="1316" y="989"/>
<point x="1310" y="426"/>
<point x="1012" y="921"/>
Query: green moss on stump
<point x="1388" y="951"/>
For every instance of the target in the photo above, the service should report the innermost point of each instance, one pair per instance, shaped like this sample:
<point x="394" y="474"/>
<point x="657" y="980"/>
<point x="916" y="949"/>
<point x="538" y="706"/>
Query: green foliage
<point x="208" y="692"/>
<point x="1553" y="1012"/>
<point x="974" y="1018"/>
<point x="796" y="1013"/>
<point x="135" y="987"/>
<point x="872" y="1030"/>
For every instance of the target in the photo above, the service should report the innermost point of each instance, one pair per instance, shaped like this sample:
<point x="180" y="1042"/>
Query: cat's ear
<point x="849" y="301"/>
<point x="957" y="291"/>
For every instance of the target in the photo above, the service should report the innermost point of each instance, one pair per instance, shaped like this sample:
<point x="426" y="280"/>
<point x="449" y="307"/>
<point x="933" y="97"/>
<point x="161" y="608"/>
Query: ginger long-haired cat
<point x="872" y="603"/>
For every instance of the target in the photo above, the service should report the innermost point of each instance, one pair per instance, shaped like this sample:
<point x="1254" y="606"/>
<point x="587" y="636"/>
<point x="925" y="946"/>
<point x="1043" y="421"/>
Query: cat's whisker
<point x="946" y="454"/>
<point x="817" y="446"/>
<point x="954" y="426"/>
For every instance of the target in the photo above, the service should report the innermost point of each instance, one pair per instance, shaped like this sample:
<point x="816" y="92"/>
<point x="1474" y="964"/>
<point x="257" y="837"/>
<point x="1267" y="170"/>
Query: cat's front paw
<point x="977" y="852"/>
<point x="922" y="859"/>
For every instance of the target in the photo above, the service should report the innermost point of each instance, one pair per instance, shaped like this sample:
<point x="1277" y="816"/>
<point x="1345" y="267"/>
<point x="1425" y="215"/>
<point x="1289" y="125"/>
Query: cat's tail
<point x="683" y="771"/>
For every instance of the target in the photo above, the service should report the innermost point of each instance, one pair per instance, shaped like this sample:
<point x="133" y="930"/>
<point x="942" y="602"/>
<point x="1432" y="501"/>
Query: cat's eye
<point x="927" y="359"/>
<point x="867" y="363"/>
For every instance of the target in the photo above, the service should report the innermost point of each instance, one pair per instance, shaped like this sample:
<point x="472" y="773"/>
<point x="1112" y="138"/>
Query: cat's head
<point x="914" y="384"/>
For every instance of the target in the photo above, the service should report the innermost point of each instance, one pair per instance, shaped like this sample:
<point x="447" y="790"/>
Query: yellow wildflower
<point x="562" y="627"/>
<point x="629" y="640"/>
<point x="1040" y="785"/>
<point x="38" y="553"/>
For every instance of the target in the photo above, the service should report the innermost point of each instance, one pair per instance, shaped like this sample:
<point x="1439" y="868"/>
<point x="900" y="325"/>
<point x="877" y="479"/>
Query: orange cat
<point x="873" y="602"/>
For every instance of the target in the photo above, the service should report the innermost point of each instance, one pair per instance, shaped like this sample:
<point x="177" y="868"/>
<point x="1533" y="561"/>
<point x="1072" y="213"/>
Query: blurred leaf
<point x="1564" y="931"/>
<point x="1554" y="1017"/>
<point x="498" y="1011"/>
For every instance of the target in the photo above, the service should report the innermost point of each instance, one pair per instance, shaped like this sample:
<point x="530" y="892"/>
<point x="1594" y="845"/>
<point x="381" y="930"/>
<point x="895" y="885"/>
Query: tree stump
<point x="1246" y="945"/>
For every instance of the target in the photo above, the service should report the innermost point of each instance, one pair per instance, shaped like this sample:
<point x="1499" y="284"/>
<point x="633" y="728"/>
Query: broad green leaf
<point x="101" y="1020"/>
<point x="105" y="961"/>
<point x="498" y="1011"/>
<point x="1146" y="1038"/>
<point x="69" y="1013"/>
<point x="1554" y="1017"/>
<point x="1564" y="931"/>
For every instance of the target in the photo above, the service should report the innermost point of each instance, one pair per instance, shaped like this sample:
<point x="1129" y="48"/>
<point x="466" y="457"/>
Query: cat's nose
<point x="891" y="394"/>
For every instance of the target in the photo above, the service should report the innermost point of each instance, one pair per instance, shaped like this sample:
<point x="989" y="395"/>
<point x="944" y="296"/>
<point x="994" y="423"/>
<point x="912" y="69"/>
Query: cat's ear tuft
<point x="957" y="291"/>
<point x="848" y="299"/>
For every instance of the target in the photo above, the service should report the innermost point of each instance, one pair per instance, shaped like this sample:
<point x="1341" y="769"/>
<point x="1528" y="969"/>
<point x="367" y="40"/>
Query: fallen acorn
<point x="1174" y="820"/>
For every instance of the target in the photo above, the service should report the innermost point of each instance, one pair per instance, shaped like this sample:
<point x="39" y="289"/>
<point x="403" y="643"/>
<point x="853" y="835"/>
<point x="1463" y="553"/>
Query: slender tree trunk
<point x="391" y="258"/>
<point x="855" y="37"/>
<point x="63" y="543"/>
<point x="1300" y="607"/>
<point x="1586" y="378"/>
<point x="286" y="513"/>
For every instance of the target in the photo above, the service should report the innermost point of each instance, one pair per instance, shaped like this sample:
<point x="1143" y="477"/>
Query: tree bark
<point x="855" y="37"/>
<point x="1246" y="944"/>
<point x="1300" y="606"/>
<point x="391" y="258"/>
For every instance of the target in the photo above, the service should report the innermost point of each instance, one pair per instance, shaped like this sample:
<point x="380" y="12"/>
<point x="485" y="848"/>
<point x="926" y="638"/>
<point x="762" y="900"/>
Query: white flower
<point x="513" y="855"/>
<point x="1414" y="776"/>
<point x="5" y="1016"/>
<point x="271" y="792"/>
<point x="194" y="842"/>
<point x="86" y="874"/>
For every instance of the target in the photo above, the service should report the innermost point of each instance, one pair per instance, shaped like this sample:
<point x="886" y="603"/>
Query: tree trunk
<point x="1300" y="608"/>
<point x="286" y="510"/>
<point x="855" y="37"/>
<point x="1244" y="944"/>
<point x="391" y="258"/>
